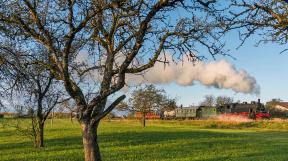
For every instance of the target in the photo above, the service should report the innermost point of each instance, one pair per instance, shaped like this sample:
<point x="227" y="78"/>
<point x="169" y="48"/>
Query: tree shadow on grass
<point x="161" y="145"/>
<point x="194" y="145"/>
<point x="68" y="148"/>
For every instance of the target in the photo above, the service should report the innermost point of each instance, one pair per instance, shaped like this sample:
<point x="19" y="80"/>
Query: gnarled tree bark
<point x="90" y="141"/>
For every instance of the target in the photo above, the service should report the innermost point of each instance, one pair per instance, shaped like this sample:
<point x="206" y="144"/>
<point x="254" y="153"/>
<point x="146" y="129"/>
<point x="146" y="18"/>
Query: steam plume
<point x="218" y="74"/>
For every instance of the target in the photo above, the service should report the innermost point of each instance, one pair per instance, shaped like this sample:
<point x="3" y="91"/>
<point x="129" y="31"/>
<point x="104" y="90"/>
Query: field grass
<point x="159" y="141"/>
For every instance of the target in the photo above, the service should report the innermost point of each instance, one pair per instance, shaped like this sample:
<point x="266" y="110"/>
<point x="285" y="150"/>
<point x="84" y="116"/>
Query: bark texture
<point x="90" y="142"/>
<point x="41" y="135"/>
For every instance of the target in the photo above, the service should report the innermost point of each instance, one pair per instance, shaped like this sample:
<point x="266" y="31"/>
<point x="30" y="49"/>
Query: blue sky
<point x="264" y="62"/>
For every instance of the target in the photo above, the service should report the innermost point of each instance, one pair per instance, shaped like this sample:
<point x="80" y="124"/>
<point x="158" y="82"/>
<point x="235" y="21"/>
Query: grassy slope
<point x="161" y="140"/>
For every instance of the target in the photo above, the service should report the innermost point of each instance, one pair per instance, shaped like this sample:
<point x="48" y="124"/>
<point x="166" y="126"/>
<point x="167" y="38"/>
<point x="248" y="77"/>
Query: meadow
<point x="160" y="141"/>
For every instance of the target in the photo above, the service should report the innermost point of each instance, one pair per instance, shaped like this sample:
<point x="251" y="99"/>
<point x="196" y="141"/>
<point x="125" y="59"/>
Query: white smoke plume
<point x="218" y="74"/>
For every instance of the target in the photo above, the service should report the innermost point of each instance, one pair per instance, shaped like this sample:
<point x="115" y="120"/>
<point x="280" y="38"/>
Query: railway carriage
<point x="188" y="112"/>
<point x="196" y="112"/>
<point x="206" y="112"/>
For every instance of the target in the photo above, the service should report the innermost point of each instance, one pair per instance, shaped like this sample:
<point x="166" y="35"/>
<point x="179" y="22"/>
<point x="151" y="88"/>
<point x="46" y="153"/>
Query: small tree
<point x="145" y="100"/>
<point x="163" y="101"/>
<point x="39" y="100"/>
<point x="29" y="87"/>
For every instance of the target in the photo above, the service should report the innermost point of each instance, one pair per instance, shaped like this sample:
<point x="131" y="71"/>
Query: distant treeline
<point x="54" y="115"/>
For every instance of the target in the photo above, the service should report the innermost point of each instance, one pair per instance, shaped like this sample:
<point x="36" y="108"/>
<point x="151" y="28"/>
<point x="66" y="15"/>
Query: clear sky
<point x="264" y="63"/>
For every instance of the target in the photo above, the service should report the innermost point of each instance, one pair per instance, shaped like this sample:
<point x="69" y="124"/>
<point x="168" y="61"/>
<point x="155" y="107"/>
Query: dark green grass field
<point x="159" y="141"/>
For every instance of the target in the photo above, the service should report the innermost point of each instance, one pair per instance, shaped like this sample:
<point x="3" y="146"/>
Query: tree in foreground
<point x="119" y="38"/>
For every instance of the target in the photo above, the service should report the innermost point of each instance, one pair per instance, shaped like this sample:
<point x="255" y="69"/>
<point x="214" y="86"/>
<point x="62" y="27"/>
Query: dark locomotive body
<point x="254" y="110"/>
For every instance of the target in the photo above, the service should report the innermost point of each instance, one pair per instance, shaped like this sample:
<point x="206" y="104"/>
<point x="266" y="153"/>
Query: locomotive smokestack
<point x="259" y="104"/>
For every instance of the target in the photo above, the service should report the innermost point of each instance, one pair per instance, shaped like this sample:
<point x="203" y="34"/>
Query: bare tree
<point x="30" y="88"/>
<point x="120" y="37"/>
<point x="267" y="18"/>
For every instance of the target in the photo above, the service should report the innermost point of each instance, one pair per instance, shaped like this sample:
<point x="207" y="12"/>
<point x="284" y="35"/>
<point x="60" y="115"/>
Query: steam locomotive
<point x="254" y="110"/>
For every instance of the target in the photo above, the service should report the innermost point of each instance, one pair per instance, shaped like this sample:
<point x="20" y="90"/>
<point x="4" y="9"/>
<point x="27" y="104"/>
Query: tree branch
<point x="109" y="109"/>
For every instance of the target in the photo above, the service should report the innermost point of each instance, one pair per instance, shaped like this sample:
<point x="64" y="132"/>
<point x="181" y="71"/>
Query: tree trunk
<point x="40" y="135"/>
<point x="71" y="117"/>
<point x="52" y="116"/>
<point x="143" y="120"/>
<point x="90" y="142"/>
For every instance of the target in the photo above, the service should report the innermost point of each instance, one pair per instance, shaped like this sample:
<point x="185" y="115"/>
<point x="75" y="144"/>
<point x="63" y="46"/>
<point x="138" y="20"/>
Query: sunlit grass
<point x="206" y="140"/>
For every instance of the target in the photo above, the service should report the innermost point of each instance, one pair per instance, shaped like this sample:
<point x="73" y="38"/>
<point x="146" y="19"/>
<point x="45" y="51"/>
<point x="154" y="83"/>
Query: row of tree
<point x="42" y="45"/>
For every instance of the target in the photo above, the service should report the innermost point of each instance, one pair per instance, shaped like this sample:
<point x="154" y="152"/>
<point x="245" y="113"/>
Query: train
<point x="192" y="112"/>
<point x="253" y="110"/>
